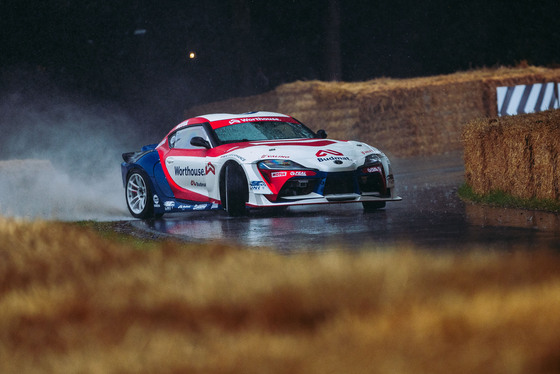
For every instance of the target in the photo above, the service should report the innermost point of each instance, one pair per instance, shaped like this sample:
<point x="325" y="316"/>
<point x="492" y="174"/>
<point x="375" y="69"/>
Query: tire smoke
<point x="60" y="155"/>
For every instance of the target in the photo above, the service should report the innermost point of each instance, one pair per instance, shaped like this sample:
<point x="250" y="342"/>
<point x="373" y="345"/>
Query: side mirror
<point x="322" y="134"/>
<point x="198" y="141"/>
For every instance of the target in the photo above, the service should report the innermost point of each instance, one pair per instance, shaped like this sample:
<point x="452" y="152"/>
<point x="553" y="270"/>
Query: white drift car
<point x="257" y="159"/>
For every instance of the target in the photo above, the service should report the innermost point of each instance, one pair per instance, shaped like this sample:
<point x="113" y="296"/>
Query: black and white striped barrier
<point x="527" y="98"/>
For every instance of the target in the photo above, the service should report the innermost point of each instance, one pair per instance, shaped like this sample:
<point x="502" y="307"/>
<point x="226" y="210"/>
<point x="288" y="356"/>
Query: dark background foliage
<point x="135" y="52"/>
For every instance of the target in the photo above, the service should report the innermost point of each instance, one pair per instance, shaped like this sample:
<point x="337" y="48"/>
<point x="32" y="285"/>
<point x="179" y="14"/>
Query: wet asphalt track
<point x="430" y="216"/>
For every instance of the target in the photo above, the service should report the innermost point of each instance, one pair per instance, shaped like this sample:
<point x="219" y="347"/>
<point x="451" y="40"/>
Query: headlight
<point x="279" y="165"/>
<point x="373" y="159"/>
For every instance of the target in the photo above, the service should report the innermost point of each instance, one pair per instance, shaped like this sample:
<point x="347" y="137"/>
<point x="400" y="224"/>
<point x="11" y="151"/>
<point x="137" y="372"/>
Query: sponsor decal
<point x="187" y="171"/>
<point x="302" y="173"/>
<point x="169" y="204"/>
<point x="367" y="152"/>
<point x="253" y="119"/>
<point x="198" y="184"/>
<point x="210" y="169"/>
<point x="185" y="207"/>
<point x="200" y="207"/>
<point x="156" y="201"/>
<point x="295" y="173"/>
<point x="274" y="156"/>
<point x="373" y="169"/>
<point x="233" y="155"/>
<point x="257" y="186"/>
<point x="335" y="156"/>
<point x="323" y="153"/>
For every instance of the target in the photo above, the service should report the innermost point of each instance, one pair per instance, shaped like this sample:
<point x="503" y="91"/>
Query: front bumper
<point x="365" y="184"/>
<point x="260" y="201"/>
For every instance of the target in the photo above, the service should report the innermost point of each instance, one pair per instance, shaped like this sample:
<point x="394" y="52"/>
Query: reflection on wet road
<point x="430" y="216"/>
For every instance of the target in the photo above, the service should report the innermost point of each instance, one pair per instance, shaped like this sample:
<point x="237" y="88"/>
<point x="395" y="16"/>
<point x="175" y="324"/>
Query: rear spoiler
<point x="129" y="157"/>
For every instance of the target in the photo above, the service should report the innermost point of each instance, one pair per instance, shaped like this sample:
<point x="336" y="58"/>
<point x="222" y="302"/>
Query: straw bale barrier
<point x="519" y="155"/>
<point x="404" y="117"/>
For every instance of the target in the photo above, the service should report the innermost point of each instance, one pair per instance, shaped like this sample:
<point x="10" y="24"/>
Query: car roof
<point x="227" y="116"/>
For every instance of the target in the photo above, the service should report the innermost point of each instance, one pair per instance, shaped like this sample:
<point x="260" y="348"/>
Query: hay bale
<point x="475" y="153"/>
<point x="405" y="117"/>
<point x="545" y="149"/>
<point x="515" y="154"/>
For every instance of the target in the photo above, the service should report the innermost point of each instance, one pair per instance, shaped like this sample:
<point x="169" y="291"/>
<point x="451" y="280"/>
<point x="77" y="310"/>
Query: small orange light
<point x="192" y="55"/>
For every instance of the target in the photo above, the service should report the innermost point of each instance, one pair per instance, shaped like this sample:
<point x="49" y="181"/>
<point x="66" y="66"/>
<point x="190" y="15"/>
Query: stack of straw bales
<point x="519" y="155"/>
<point x="404" y="117"/>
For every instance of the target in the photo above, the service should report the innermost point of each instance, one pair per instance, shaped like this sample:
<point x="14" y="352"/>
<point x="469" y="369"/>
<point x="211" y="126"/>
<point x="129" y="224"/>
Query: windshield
<point x="265" y="130"/>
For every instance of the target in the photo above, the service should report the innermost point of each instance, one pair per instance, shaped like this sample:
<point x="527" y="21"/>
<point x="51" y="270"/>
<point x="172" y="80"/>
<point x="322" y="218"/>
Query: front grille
<point x="340" y="183"/>
<point x="297" y="187"/>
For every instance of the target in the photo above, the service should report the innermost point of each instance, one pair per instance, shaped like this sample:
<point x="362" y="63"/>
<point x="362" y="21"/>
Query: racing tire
<point x="234" y="190"/>
<point x="370" y="206"/>
<point x="138" y="195"/>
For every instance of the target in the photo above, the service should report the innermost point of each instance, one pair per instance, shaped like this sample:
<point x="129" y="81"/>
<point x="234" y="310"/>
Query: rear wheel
<point x="139" y="195"/>
<point x="373" y="205"/>
<point x="234" y="190"/>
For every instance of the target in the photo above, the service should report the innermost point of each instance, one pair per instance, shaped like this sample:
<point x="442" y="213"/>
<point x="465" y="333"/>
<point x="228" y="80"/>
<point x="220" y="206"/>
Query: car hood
<point x="321" y="154"/>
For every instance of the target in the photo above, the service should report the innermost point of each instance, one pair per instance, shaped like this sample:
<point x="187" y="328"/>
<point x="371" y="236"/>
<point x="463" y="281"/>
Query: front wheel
<point x="234" y="190"/>
<point x="139" y="195"/>
<point x="370" y="206"/>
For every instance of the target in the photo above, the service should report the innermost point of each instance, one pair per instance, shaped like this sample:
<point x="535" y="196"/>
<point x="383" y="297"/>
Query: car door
<point x="186" y="164"/>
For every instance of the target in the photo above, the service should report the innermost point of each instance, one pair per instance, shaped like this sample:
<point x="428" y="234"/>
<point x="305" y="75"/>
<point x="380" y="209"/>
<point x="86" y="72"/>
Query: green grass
<point x="504" y="200"/>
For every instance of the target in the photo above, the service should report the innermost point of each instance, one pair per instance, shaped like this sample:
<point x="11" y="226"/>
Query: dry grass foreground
<point x="74" y="302"/>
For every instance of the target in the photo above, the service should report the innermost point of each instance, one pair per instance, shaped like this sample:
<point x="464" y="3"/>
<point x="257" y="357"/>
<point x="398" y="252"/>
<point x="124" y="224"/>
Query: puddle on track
<point x="430" y="216"/>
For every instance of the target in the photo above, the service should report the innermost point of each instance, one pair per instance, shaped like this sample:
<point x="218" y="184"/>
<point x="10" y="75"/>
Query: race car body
<point x="257" y="159"/>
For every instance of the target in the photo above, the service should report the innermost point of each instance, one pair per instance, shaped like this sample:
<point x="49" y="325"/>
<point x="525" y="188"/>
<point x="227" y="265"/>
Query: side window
<point x="181" y="139"/>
